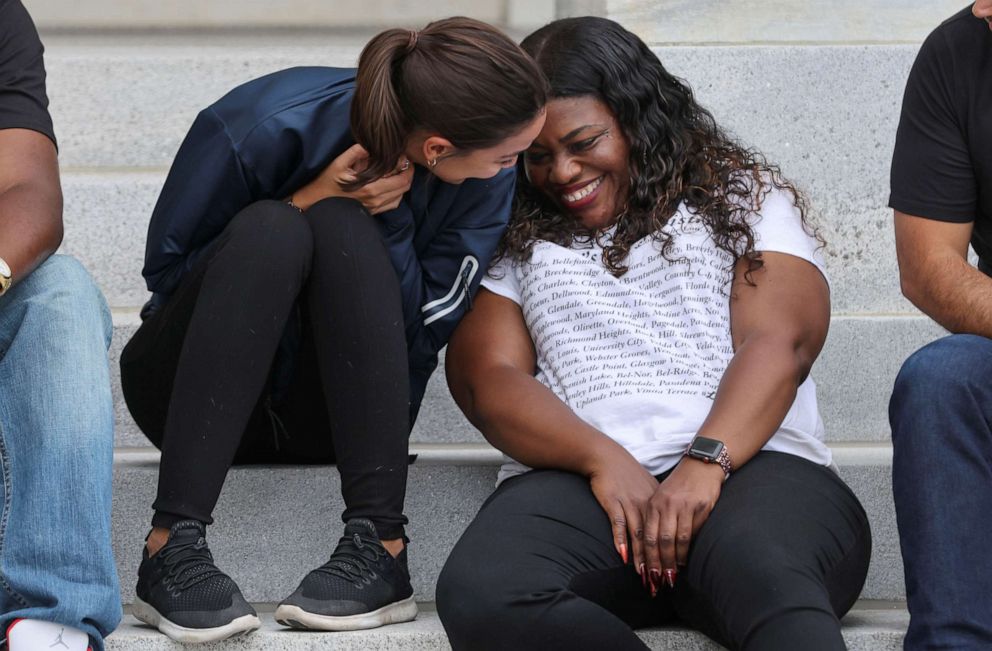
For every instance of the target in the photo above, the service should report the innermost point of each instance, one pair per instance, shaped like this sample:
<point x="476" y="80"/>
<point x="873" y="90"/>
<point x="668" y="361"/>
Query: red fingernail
<point x="670" y="576"/>
<point x="644" y="577"/>
<point x="655" y="577"/>
<point x="623" y="552"/>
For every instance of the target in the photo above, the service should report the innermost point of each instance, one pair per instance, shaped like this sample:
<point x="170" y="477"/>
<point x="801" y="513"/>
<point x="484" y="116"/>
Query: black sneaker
<point x="183" y="594"/>
<point x="361" y="586"/>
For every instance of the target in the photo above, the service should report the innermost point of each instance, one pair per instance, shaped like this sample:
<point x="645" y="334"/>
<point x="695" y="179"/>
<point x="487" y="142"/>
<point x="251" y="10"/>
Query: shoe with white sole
<point x="182" y="593"/>
<point x="361" y="586"/>
<point x="34" y="635"/>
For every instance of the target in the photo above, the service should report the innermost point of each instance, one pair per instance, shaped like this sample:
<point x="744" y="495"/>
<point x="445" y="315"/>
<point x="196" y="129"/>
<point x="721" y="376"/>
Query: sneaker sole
<point x="394" y="613"/>
<point x="240" y="626"/>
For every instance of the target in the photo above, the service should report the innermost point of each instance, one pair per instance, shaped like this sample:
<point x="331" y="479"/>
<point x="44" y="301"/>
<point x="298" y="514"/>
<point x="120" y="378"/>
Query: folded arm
<point x="30" y="200"/>
<point x="936" y="277"/>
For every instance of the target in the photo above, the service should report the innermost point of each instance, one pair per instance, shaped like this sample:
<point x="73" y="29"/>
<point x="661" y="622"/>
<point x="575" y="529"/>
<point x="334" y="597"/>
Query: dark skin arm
<point x="936" y="277"/>
<point x="490" y="368"/>
<point x="30" y="200"/>
<point x="778" y="326"/>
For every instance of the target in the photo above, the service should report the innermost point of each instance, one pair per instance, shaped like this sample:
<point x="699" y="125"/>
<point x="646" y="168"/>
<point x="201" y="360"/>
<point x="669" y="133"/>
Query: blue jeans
<point x="940" y="412"/>
<point x="56" y="453"/>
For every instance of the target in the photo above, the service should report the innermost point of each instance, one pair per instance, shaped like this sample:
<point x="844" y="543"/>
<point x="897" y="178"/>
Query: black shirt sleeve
<point x="932" y="174"/>
<point x="23" y="102"/>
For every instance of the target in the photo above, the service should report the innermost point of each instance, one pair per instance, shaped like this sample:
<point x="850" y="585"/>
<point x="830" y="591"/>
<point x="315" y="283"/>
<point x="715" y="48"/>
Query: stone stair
<point x="275" y="523"/>
<point x="267" y="15"/>
<point x="869" y="627"/>
<point x="826" y="113"/>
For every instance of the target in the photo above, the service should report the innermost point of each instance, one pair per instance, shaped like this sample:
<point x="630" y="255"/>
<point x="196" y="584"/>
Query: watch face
<point x="707" y="447"/>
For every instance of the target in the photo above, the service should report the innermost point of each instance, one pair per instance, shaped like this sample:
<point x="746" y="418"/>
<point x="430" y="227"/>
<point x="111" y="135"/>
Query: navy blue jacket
<point x="269" y="137"/>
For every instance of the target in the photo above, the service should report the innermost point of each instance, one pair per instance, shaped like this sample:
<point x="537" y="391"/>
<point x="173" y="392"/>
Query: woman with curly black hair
<point x="641" y="353"/>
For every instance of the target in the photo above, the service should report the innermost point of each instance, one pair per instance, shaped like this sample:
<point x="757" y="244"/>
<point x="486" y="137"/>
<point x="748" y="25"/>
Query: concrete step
<point x="275" y="523"/>
<point x="106" y="224"/>
<point x="806" y="104"/>
<point x="107" y="214"/>
<point x="854" y="377"/>
<point x="857" y="368"/>
<point x="749" y="21"/>
<point x="866" y="628"/>
<point x="807" y="107"/>
<point x="225" y="14"/>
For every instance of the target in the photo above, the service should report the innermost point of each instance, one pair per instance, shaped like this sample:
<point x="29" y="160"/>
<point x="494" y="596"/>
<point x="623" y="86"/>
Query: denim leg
<point x="56" y="453"/>
<point x="942" y="480"/>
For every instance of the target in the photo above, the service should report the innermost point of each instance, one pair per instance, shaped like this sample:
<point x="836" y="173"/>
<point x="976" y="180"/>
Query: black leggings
<point x="197" y="375"/>
<point x="782" y="556"/>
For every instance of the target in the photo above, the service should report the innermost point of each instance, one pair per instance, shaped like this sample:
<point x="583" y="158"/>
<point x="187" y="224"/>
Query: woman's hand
<point x="379" y="196"/>
<point x="623" y="488"/>
<point x="674" y="514"/>
<point x="490" y="368"/>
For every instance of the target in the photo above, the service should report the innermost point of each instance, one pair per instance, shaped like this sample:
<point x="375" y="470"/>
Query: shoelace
<point x="353" y="558"/>
<point x="188" y="564"/>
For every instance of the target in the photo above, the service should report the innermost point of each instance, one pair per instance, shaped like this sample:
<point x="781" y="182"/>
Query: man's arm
<point x="936" y="277"/>
<point x="30" y="200"/>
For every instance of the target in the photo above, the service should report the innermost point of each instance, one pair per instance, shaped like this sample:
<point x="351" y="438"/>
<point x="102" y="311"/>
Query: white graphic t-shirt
<point x="640" y="357"/>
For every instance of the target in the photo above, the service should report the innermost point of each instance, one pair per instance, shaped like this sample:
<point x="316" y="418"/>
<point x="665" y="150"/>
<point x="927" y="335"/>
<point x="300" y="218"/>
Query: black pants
<point x="783" y="555"/>
<point x="197" y="375"/>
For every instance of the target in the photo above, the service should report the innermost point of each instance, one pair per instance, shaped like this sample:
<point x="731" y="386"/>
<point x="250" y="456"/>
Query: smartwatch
<point x="710" y="451"/>
<point x="5" y="279"/>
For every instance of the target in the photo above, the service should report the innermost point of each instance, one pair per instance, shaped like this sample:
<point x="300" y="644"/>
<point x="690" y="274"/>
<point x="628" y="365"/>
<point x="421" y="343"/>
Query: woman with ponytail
<point x="319" y="235"/>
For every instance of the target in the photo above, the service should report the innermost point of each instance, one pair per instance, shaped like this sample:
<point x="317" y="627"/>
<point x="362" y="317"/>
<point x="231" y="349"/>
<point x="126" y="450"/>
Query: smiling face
<point x="579" y="160"/>
<point x="983" y="9"/>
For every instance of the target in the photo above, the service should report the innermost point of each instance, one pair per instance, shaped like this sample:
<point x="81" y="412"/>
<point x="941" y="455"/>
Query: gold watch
<point x="5" y="280"/>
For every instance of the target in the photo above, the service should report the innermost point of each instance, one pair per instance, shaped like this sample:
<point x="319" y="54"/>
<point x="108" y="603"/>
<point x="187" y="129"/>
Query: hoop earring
<point x="432" y="163"/>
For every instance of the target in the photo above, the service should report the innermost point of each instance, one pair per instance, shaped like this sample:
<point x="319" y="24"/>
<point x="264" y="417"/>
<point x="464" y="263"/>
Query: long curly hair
<point x="677" y="151"/>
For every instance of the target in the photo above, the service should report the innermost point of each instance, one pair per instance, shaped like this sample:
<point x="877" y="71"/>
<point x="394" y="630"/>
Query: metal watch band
<point x="724" y="460"/>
